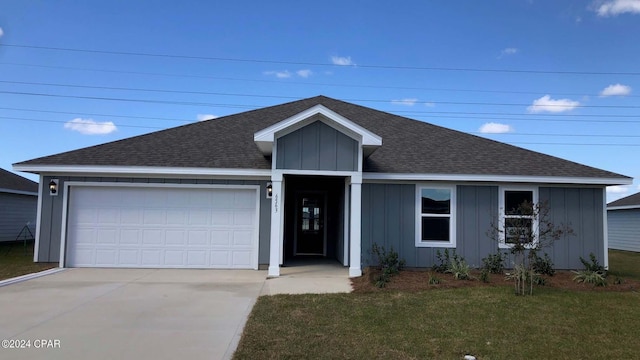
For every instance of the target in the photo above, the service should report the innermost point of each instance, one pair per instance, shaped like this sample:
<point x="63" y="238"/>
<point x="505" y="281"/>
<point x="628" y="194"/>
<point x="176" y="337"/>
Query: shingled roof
<point x="631" y="200"/>
<point x="11" y="181"/>
<point x="408" y="146"/>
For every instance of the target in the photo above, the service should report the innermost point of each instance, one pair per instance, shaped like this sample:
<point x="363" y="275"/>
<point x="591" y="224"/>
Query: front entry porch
<point x="310" y="221"/>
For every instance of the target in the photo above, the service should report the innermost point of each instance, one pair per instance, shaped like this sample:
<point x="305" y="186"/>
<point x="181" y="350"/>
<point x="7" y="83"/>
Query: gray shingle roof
<point x="409" y="146"/>
<point x="631" y="200"/>
<point x="11" y="181"/>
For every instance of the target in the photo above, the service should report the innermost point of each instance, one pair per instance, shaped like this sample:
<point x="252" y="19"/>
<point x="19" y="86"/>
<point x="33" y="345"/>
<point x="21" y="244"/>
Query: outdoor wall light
<point x="53" y="187"/>
<point x="269" y="190"/>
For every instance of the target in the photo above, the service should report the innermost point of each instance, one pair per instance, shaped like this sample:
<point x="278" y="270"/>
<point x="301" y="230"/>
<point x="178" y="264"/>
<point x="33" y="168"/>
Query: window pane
<point x="435" y="229"/>
<point x="436" y="201"/>
<point x="513" y="201"/>
<point x="518" y="230"/>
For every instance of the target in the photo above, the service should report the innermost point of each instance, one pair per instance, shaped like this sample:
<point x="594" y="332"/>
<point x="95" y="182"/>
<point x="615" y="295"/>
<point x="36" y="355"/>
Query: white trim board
<point x="265" y="138"/>
<point x="145" y="171"/>
<point x="625" y="207"/>
<point x="498" y="178"/>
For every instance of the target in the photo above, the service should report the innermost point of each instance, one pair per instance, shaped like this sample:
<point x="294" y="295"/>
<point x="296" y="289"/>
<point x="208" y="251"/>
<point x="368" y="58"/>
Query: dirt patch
<point x="418" y="280"/>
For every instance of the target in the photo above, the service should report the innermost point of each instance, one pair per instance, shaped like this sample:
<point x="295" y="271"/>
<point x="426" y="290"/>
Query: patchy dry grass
<point x="16" y="259"/>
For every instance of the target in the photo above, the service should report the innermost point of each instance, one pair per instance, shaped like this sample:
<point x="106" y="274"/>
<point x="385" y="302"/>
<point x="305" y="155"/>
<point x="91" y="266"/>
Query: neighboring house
<point x="18" y="204"/>
<point x="317" y="177"/>
<point x="623" y="217"/>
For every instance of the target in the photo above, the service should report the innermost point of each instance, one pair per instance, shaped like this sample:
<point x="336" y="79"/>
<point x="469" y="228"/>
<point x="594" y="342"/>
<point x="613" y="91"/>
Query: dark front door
<point x="310" y="224"/>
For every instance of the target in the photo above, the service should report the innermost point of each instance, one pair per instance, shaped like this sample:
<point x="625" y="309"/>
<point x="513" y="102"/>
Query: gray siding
<point x="582" y="210"/>
<point x="317" y="146"/>
<point x="477" y="209"/>
<point x="16" y="211"/>
<point x="624" y="229"/>
<point x="388" y="219"/>
<point x="51" y="218"/>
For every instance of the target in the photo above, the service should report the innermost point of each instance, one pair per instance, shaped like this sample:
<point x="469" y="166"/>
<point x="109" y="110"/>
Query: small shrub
<point x="484" y="275"/>
<point x="434" y="280"/>
<point x="543" y="266"/>
<point x="593" y="266"/>
<point x="389" y="263"/>
<point x="618" y="281"/>
<point x="593" y="272"/>
<point x="494" y="263"/>
<point x="460" y="269"/>
<point x="590" y="277"/>
<point x="445" y="260"/>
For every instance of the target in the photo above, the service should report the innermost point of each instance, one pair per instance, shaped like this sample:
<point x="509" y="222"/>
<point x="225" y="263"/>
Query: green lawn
<point x="16" y="260"/>
<point x="487" y="322"/>
<point x="625" y="264"/>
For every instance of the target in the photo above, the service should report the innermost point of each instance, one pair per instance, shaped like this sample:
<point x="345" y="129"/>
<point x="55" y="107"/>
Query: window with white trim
<point x="517" y="215"/>
<point x="436" y="219"/>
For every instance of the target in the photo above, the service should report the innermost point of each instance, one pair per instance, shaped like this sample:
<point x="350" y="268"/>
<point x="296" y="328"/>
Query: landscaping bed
<point x="418" y="280"/>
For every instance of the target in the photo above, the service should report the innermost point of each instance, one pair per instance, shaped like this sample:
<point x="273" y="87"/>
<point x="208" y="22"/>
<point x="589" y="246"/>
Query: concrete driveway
<point x="128" y="314"/>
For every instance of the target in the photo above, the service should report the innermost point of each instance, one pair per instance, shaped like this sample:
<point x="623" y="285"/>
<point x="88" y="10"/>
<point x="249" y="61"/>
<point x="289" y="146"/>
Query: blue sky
<point x="559" y="77"/>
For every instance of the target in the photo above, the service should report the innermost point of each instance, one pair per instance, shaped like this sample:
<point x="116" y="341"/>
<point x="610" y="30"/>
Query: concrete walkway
<point x="310" y="278"/>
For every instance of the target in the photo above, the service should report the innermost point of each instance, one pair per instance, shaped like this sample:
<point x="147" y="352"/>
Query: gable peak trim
<point x="266" y="137"/>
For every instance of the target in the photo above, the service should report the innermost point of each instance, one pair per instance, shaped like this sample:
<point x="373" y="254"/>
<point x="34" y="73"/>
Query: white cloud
<point x="616" y="7"/>
<point x="1" y="32"/>
<point x="430" y="104"/>
<point x="508" y="51"/>
<point x="618" y="189"/>
<point x="495" y="128"/>
<point x="203" y="117"/>
<point x="616" y="90"/>
<point x="90" y="127"/>
<point x="305" y="73"/>
<point x="279" y="74"/>
<point x="547" y="104"/>
<point x="341" y="60"/>
<point x="405" y="102"/>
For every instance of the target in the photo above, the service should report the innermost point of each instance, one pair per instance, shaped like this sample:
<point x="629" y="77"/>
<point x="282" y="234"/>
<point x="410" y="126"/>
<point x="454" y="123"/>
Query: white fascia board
<point x="498" y="178"/>
<point x="625" y="207"/>
<point x="265" y="137"/>
<point x="18" y="192"/>
<point x="142" y="170"/>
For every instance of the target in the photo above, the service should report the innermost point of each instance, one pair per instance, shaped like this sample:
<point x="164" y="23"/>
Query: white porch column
<point x="276" y="225"/>
<point x="356" y="226"/>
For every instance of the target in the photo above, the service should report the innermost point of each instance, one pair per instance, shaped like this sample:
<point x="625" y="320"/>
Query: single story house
<point x="623" y="219"/>
<point x="18" y="204"/>
<point x="315" y="177"/>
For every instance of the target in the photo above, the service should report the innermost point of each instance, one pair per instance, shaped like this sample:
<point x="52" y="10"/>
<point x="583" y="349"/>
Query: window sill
<point x="436" y="244"/>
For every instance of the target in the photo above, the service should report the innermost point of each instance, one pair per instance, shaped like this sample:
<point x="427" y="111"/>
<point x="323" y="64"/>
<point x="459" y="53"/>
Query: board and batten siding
<point x="317" y="146"/>
<point x="16" y="211"/>
<point x="388" y="219"/>
<point x="51" y="216"/>
<point x="624" y="229"/>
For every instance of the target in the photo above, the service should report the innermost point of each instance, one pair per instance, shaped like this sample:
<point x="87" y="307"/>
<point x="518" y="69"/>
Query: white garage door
<point x="162" y="227"/>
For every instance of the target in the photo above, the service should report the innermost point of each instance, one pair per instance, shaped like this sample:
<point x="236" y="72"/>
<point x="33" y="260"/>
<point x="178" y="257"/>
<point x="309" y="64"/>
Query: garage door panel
<point x="243" y="217"/>
<point x="107" y="236"/>
<point x="128" y="257"/>
<point x="199" y="217"/>
<point x="175" y="238"/>
<point x="130" y="216"/>
<point x="154" y="217"/>
<point x="164" y="227"/>
<point x="242" y="239"/>
<point x="106" y="256"/>
<point x="129" y="237"/>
